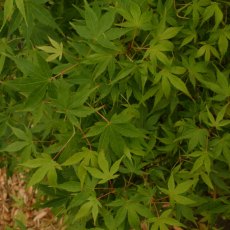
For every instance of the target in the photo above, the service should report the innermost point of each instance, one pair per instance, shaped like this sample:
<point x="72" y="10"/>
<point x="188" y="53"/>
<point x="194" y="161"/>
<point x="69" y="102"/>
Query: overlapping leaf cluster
<point x="120" y="108"/>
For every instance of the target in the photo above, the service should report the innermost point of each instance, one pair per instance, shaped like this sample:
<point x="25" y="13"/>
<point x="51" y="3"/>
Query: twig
<point x="104" y="195"/>
<point x="85" y="137"/>
<point x="64" y="146"/>
<point x="64" y="71"/>
<point x="104" y="118"/>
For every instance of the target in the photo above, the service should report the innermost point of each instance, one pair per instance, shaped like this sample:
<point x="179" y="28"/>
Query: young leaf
<point x="56" y="50"/>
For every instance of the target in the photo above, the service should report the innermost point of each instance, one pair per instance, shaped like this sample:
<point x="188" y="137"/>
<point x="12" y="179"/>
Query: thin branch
<point x="64" y="71"/>
<point x="104" y="195"/>
<point x="104" y="118"/>
<point x="85" y="137"/>
<point x="154" y="204"/>
<point x="64" y="146"/>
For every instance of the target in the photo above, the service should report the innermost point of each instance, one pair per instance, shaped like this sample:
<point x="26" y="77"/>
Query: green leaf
<point x="123" y="74"/>
<point x="133" y="218"/>
<point x="35" y="163"/>
<point x="173" y="222"/>
<point x="21" y="7"/>
<point x="2" y="62"/>
<point x="127" y="130"/>
<point x="179" y="84"/>
<point x="95" y="211"/>
<point x="74" y="159"/>
<point x="91" y="18"/>
<point x="56" y="50"/>
<point x="30" y="69"/>
<point x="166" y="87"/>
<point x="19" y="133"/>
<point x="120" y="215"/>
<point x="35" y="98"/>
<point x="223" y="44"/>
<point x="102" y="162"/>
<point x="169" y="33"/>
<point x="198" y="163"/>
<point x="70" y="186"/>
<point x="115" y="167"/>
<point x="106" y="21"/>
<point x="52" y="176"/>
<point x="207" y="180"/>
<point x="171" y="183"/>
<point x="183" y="200"/>
<point x="8" y="11"/>
<point x="96" y="173"/>
<point x="183" y="187"/>
<point x="84" y="210"/>
<point x="15" y="146"/>
<point x="95" y="130"/>
<point x="38" y="176"/>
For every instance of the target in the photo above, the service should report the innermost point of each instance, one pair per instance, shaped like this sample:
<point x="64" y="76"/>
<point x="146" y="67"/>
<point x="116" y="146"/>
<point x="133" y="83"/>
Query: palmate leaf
<point x="167" y="76"/>
<point x="206" y="50"/>
<point x="130" y="210"/>
<point x="31" y="69"/>
<point x="135" y="19"/>
<point x="96" y="26"/>
<point x="83" y="159"/>
<point x="86" y="156"/>
<point x="35" y="97"/>
<point x="113" y="133"/>
<point x="157" y="51"/>
<point x="124" y="84"/>
<point x="105" y="174"/>
<point x="213" y="10"/>
<point x="196" y="9"/>
<point x="45" y="166"/>
<point x="33" y="85"/>
<point x="195" y="69"/>
<point x="196" y="136"/>
<point x="56" y="50"/>
<point x="164" y="220"/>
<point x="90" y="207"/>
<point x="219" y="121"/>
<point x="221" y="145"/>
<point x="175" y="192"/>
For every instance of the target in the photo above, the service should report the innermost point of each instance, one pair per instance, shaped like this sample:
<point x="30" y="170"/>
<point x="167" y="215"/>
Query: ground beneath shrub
<point x="17" y="207"/>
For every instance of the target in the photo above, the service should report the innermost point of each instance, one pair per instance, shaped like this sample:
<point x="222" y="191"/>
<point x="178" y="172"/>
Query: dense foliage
<point x="120" y="109"/>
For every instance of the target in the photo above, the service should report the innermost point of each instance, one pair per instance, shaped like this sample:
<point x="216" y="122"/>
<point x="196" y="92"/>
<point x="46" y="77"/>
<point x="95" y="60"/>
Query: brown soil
<point x="17" y="205"/>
